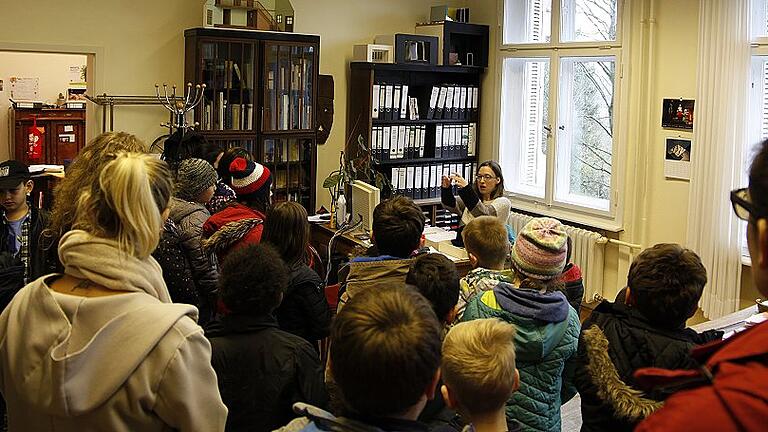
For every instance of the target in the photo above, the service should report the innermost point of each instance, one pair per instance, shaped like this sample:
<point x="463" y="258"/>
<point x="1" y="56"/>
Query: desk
<point x="348" y="246"/>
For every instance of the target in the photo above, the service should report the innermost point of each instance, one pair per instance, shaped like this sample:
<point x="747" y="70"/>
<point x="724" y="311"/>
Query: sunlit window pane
<point x="588" y="20"/>
<point x="527" y="21"/>
<point x="585" y="131"/>
<point x="525" y="98"/>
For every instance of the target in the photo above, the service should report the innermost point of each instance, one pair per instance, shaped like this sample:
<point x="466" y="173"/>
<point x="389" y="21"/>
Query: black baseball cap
<point x="12" y="173"/>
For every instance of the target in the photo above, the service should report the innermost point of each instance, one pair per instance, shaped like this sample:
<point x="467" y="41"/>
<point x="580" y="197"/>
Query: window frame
<point x="612" y="218"/>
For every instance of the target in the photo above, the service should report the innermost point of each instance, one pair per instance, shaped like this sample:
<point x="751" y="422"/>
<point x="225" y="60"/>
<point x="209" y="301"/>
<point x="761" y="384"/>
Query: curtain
<point x="719" y="135"/>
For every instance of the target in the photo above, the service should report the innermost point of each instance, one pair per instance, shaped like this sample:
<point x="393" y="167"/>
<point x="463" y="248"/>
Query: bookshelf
<point x="415" y="146"/>
<point x="261" y="95"/>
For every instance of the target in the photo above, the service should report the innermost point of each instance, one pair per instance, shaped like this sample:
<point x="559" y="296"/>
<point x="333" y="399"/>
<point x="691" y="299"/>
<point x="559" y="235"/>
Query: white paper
<point x="25" y="89"/>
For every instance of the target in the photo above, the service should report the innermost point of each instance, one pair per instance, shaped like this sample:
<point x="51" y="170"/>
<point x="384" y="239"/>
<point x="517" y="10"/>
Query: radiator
<point x="588" y="249"/>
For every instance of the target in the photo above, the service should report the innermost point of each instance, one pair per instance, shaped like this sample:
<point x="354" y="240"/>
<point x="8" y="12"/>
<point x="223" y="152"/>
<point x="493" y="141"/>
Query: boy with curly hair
<point x="262" y="371"/>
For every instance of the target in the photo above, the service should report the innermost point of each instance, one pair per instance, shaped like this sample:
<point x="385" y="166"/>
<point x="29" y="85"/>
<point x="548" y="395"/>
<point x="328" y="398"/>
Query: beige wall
<point x="51" y="69"/>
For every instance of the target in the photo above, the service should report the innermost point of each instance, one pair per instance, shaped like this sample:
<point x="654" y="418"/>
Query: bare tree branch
<point x="610" y="134"/>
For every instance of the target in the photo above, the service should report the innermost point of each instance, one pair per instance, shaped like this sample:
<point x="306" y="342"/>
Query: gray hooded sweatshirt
<point x="132" y="361"/>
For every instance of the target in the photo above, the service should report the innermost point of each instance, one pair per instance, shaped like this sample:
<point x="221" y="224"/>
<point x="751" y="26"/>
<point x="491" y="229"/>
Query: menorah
<point x="180" y="106"/>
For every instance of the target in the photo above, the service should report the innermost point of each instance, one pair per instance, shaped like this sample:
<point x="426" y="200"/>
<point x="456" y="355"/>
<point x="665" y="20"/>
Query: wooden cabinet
<point x="63" y="134"/>
<point x="414" y="153"/>
<point x="260" y="94"/>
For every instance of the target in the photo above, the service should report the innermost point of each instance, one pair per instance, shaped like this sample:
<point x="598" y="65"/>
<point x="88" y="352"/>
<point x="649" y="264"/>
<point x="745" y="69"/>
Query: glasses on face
<point x="484" y="177"/>
<point x="742" y="204"/>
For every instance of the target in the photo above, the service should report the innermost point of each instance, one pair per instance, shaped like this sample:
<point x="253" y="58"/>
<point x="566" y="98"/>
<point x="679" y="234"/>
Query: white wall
<point x="51" y="69"/>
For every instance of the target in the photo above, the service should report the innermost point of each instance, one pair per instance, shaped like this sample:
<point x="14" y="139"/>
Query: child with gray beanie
<point x="194" y="187"/>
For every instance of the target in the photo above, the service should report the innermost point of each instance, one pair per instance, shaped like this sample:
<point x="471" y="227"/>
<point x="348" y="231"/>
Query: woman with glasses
<point x="485" y="197"/>
<point x="728" y="392"/>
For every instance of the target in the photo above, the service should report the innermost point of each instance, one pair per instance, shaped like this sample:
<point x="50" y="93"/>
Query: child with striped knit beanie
<point x="240" y="223"/>
<point x="547" y="326"/>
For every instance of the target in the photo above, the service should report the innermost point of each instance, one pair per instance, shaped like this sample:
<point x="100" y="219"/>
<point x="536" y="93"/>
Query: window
<point x="559" y="64"/>
<point x="757" y="122"/>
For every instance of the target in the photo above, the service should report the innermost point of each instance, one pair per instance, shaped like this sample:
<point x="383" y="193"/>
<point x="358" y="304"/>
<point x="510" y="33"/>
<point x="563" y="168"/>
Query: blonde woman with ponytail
<point x="101" y="347"/>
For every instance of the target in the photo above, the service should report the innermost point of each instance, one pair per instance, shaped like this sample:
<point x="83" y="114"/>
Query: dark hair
<point x="666" y="282"/>
<point x="251" y="280"/>
<point x="385" y="350"/>
<point x="182" y="145"/>
<point x="229" y="155"/>
<point x="206" y="150"/>
<point x="758" y="180"/>
<point x="435" y="277"/>
<point x="287" y="229"/>
<point x="493" y="165"/>
<point x="397" y="227"/>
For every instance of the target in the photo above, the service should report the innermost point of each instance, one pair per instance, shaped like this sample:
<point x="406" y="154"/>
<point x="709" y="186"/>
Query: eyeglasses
<point x="742" y="204"/>
<point x="484" y="177"/>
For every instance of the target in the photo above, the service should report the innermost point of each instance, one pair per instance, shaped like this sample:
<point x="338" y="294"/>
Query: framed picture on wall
<point x="677" y="113"/>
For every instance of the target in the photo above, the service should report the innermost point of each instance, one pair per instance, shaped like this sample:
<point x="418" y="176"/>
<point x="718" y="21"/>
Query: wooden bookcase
<point x="432" y="156"/>
<point x="261" y="94"/>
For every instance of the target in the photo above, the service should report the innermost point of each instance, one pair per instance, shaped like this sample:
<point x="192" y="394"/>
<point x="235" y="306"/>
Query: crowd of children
<point x="172" y="294"/>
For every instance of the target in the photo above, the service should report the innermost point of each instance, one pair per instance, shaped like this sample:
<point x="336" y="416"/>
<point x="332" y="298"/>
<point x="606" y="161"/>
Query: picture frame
<point x="678" y="113"/>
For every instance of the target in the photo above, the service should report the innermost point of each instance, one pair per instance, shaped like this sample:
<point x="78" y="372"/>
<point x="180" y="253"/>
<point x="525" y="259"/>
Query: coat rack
<point x="175" y="104"/>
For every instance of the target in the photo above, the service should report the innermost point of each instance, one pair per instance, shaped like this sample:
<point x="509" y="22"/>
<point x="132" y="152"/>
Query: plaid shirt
<point x="23" y="251"/>
<point x="477" y="281"/>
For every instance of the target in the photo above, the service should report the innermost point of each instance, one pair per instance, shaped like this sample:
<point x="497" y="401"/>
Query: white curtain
<point x="718" y="139"/>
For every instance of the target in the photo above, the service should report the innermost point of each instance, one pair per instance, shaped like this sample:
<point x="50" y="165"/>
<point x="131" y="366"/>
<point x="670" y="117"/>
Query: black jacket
<point x="615" y="341"/>
<point x="39" y="263"/>
<point x="304" y="310"/>
<point x="262" y="371"/>
<point x="177" y="272"/>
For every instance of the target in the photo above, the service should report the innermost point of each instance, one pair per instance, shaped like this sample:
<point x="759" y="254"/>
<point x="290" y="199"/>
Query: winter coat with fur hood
<point x="617" y="340"/>
<point x="232" y="227"/>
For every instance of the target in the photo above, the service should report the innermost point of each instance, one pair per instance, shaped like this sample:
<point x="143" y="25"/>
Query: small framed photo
<point x="677" y="113"/>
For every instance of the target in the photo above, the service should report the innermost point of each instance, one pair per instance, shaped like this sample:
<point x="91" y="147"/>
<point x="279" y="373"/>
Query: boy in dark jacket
<point x="385" y="358"/>
<point x="664" y="285"/>
<point x="572" y="280"/>
<point x="21" y="224"/>
<point x="262" y="370"/>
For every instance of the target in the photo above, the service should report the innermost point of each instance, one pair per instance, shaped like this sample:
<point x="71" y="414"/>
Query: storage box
<point x="412" y="48"/>
<point x="373" y="53"/>
<point x="468" y="42"/>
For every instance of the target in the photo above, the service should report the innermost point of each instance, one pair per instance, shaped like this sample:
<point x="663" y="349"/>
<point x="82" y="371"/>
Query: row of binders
<point x="424" y="181"/>
<point x="391" y="102"/>
<point x="454" y="102"/>
<point x="453" y="141"/>
<point x="397" y="142"/>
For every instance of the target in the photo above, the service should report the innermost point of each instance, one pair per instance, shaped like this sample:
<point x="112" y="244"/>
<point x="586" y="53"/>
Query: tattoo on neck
<point x="83" y="284"/>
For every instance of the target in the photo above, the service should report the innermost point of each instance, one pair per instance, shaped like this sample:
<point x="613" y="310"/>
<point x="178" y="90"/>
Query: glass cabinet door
<point x="289" y="160"/>
<point x="228" y="71"/>
<point x="289" y="71"/>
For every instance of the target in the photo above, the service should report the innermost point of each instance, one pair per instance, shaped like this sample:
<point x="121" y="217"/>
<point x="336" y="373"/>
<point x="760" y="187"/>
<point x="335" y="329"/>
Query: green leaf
<point x="332" y="180"/>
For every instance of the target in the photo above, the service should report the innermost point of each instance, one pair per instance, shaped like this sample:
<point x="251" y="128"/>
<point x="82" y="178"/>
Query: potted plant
<point x="359" y="167"/>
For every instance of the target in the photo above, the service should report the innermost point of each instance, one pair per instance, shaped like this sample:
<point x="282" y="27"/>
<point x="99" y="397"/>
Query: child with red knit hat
<point x="547" y="326"/>
<point x="241" y="222"/>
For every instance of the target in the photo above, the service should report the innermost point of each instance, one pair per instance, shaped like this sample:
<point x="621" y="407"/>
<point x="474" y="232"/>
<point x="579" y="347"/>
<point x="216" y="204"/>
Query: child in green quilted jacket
<point x="547" y="326"/>
<point x="487" y="244"/>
